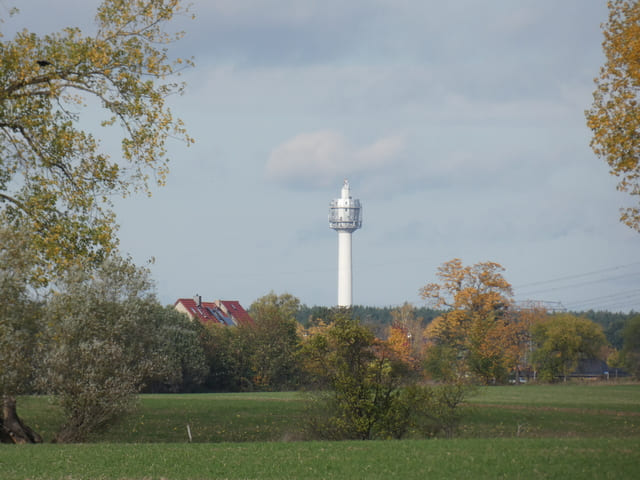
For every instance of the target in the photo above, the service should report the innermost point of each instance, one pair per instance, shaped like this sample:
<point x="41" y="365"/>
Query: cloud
<point x="277" y="32"/>
<point x="319" y="159"/>
<point x="279" y="12"/>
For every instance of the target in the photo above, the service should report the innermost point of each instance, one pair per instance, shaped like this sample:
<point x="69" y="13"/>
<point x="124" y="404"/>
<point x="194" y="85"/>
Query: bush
<point x="106" y="336"/>
<point x="363" y="393"/>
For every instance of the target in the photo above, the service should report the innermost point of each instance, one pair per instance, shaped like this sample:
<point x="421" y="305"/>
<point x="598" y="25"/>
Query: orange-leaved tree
<point x="406" y="334"/>
<point x="399" y="343"/>
<point x="614" y="116"/>
<point x="527" y="315"/>
<point x="476" y="335"/>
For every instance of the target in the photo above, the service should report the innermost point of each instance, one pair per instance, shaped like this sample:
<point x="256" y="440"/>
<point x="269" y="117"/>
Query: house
<point x="593" y="368"/>
<point x="224" y="312"/>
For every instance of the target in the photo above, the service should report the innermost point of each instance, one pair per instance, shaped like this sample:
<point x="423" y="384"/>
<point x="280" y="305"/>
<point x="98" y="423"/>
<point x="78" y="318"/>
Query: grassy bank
<point x="532" y="411"/>
<point x="559" y="411"/>
<point x="433" y="459"/>
<point x="563" y="431"/>
<point x="238" y="417"/>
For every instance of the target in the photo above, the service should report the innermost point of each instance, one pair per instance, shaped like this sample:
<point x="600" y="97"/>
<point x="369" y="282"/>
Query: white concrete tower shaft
<point x="345" y="216"/>
<point x="345" y="286"/>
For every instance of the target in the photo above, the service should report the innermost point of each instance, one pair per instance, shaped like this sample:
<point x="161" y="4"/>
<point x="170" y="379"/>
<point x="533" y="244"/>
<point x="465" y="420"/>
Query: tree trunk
<point x="12" y="429"/>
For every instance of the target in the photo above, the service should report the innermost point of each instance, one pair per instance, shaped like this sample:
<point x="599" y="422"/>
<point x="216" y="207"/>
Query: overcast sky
<point x="460" y="126"/>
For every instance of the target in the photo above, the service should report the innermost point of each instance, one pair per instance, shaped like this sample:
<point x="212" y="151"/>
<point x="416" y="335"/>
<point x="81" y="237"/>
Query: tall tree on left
<point x="19" y="332"/>
<point x="56" y="178"/>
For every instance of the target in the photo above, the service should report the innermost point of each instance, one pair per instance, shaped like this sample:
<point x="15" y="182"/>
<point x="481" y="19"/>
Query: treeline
<point x="377" y="318"/>
<point x="481" y="336"/>
<point x="612" y="323"/>
<point x="99" y="336"/>
<point x="380" y="318"/>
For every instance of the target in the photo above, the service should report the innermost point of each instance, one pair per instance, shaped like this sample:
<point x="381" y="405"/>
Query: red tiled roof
<point x="236" y="310"/>
<point x="225" y="312"/>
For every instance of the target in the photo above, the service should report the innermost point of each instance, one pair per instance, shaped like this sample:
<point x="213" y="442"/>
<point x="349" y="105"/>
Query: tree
<point x="103" y="343"/>
<point x="178" y="343"/>
<point x="405" y="335"/>
<point x="404" y="318"/>
<point x="274" y="341"/>
<point x="475" y="335"/>
<point x="365" y="390"/>
<point x="614" y="117"/>
<point x="428" y="411"/>
<point x="631" y="346"/>
<point x="525" y="316"/>
<point x="19" y="330"/>
<point x="262" y="355"/>
<point x="55" y="178"/>
<point x="356" y="378"/>
<point x="561" y="340"/>
<point x="227" y="355"/>
<point x="284" y="306"/>
<point x="399" y="342"/>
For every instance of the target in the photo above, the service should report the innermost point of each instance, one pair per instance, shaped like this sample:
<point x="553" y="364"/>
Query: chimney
<point x="198" y="300"/>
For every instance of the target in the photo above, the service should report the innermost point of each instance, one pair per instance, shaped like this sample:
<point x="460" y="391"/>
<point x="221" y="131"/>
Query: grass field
<point x="559" y="411"/>
<point x="562" y="431"/>
<point x="412" y="459"/>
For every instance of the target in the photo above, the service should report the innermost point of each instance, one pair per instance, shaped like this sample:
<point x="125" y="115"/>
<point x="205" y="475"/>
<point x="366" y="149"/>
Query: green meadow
<point x="541" y="431"/>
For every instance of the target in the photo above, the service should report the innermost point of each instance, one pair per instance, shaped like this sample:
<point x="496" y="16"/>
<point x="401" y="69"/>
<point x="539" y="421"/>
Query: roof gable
<point x="235" y="309"/>
<point x="224" y="312"/>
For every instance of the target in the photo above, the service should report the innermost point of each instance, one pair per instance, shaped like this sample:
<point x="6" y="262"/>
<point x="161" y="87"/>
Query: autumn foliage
<point x="477" y="335"/>
<point x="614" y="117"/>
<point x="366" y="387"/>
<point x="57" y="91"/>
<point x="56" y="178"/>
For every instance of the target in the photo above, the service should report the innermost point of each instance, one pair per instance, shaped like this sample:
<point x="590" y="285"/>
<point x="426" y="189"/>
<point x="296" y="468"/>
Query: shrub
<point x="362" y="392"/>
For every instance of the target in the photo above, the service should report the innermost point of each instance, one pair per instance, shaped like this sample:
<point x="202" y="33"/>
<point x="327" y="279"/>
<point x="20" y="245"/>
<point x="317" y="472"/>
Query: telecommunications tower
<point x="345" y="217"/>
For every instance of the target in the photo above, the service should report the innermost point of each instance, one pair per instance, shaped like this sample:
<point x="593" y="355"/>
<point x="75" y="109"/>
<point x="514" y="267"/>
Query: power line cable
<point x="626" y="293"/>
<point x="578" y="275"/>
<point x="617" y="306"/>
<point x="604" y="300"/>
<point x="581" y="284"/>
<point x="621" y="307"/>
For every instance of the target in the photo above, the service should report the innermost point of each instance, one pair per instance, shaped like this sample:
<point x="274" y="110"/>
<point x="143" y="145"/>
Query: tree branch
<point x="15" y="201"/>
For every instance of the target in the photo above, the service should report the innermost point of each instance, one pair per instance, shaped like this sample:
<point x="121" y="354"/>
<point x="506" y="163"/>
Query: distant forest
<point x="379" y="319"/>
<point x="612" y="323"/>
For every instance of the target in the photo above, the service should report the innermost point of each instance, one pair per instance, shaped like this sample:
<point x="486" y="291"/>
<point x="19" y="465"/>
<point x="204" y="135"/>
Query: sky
<point x="459" y="125"/>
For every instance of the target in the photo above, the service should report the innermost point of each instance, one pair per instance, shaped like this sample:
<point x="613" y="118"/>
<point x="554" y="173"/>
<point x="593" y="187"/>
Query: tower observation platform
<point x="345" y="213"/>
